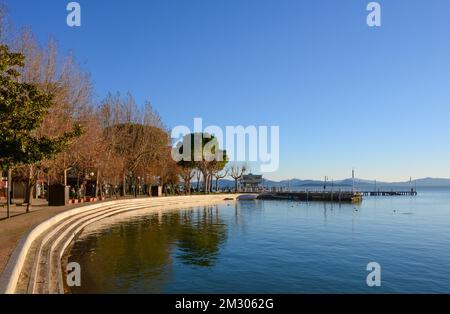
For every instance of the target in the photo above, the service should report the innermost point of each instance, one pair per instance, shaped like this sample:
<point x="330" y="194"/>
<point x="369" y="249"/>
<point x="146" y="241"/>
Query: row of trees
<point x="207" y="160"/>
<point x="235" y="172"/>
<point x="51" y="126"/>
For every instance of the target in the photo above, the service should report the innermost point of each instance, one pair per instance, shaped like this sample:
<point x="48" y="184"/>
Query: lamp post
<point x="353" y="181"/>
<point x="65" y="175"/>
<point x="139" y="186"/>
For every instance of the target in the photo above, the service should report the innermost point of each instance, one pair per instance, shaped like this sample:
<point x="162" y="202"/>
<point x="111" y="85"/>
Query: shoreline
<point x="39" y="228"/>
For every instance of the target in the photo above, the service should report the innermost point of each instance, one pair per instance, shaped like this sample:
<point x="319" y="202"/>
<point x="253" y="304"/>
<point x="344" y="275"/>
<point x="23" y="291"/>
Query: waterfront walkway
<point x="12" y="230"/>
<point x="31" y="261"/>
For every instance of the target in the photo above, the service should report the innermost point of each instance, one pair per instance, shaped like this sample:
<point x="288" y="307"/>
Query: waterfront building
<point x="252" y="183"/>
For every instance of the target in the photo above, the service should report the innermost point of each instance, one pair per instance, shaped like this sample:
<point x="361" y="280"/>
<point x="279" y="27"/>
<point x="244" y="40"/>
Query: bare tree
<point x="72" y="91"/>
<point x="220" y="175"/>
<point x="237" y="172"/>
<point x="138" y="137"/>
<point x="167" y="171"/>
<point x="198" y="175"/>
<point x="121" y="141"/>
<point x="187" y="174"/>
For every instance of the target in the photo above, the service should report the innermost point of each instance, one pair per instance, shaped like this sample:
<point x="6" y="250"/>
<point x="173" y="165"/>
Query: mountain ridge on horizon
<point x="422" y="182"/>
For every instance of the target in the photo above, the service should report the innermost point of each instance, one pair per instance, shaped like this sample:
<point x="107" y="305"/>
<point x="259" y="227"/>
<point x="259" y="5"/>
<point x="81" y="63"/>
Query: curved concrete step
<point x="38" y="266"/>
<point x="44" y="280"/>
<point x="40" y="253"/>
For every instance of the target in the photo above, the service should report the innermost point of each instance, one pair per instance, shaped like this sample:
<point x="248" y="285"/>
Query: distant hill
<point x="359" y="183"/>
<point x="429" y="182"/>
<point x="420" y="183"/>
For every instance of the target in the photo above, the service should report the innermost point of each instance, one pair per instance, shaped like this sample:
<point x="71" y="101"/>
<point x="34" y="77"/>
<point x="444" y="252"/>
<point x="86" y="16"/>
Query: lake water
<point x="272" y="247"/>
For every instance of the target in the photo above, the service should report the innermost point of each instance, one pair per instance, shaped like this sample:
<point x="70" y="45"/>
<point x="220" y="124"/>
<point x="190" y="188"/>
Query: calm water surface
<point x="272" y="247"/>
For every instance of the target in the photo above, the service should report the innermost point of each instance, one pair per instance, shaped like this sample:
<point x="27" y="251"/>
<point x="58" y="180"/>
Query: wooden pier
<point x="325" y="196"/>
<point x="390" y="193"/>
<point x="331" y="196"/>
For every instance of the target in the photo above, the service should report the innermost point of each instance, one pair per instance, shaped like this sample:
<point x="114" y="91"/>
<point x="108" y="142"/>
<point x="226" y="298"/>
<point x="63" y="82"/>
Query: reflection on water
<point x="271" y="247"/>
<point x="200" y="237"/>
<point x="143" y="246"/>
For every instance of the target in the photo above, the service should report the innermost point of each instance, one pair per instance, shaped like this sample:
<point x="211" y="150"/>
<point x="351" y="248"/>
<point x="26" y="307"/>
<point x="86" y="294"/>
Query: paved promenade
<point x="11" y="230"/>
<point x="33" y="264"/>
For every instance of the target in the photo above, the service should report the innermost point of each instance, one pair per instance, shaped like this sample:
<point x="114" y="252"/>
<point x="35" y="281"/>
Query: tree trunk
<point x="198" y="183"/>
<point x="124" y="183"/>
<point x="236" y="185"/>
<point x="29" y="189"/>
<point x="217" y="185"/>
<point x="187" y="187"/>
<point x="205" y="183"/>
<point x="211" y="179"/>
<point x="97" y="185"/>
<point x="209" y="183"/>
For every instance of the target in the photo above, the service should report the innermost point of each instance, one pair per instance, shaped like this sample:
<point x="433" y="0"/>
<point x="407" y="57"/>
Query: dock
<point x="390" y="193"/>
<point x="325" y="196"/>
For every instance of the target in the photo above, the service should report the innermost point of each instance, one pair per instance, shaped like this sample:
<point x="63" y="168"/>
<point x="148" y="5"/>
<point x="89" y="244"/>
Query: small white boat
<point x="247" y="197"/>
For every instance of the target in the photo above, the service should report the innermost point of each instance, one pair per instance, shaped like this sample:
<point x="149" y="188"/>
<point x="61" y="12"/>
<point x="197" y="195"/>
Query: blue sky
<point x="344" y="95"/>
